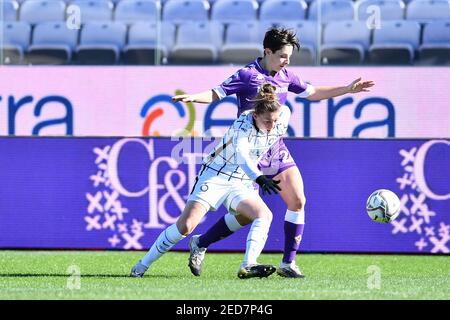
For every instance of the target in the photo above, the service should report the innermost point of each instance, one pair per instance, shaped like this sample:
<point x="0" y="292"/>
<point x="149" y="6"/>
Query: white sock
<point x="231" y="222"/>
<point x="256" y="240"/>
<point x="166" y="240"/>
<point x="295" y="217"/>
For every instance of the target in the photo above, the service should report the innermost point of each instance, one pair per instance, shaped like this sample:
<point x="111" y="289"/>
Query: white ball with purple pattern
<point x="383" y="206"/>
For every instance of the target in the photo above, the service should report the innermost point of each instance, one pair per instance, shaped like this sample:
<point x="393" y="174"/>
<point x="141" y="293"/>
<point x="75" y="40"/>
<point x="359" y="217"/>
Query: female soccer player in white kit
<point x="228" y="177"/>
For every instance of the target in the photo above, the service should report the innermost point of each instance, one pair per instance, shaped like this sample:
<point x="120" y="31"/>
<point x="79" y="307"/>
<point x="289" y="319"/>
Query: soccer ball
<point x="383" y="206"/>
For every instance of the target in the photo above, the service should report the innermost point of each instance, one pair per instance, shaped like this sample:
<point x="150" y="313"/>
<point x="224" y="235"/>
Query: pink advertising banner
<point x="135" y="101"/>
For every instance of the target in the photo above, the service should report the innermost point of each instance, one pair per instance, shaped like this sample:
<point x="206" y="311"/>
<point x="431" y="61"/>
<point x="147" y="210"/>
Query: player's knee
<point x="266" y="215"/>
<point x="185" y="228"/>
<point x="241" y="219"/>
<point x="297" y="203"/>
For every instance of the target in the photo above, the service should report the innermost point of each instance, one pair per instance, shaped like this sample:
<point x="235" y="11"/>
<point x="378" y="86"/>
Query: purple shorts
<point x="276" y="160"/>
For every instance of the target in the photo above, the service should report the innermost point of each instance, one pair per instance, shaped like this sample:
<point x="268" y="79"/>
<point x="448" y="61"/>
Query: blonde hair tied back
<point x="266" y="100"/>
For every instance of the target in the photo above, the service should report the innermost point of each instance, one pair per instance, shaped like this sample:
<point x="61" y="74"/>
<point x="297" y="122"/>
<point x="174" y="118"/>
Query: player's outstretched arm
<point x="356" y="86"/>
<point x="202" y="97"/>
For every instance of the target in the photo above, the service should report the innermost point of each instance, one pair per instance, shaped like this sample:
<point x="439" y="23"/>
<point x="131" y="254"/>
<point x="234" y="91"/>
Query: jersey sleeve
<point x="299" y="87"/>
<point x="283" y="122"/>
<point x="242" y="147"/>
<point x="237" y="83"/>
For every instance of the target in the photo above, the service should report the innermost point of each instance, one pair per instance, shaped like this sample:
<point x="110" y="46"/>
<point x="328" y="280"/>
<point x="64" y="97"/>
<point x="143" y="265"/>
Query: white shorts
<point x="213" y="190"/>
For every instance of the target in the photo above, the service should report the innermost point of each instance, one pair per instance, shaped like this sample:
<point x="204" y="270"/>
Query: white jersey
<point x="243" y="146"/>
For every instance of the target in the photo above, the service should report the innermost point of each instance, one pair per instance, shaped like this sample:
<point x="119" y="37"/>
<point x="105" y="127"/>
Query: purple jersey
<point x="246" y="82"/>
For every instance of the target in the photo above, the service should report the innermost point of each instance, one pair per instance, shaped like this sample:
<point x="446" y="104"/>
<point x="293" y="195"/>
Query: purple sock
<point x="217" y="232"/>
<point x="292" y="237"/>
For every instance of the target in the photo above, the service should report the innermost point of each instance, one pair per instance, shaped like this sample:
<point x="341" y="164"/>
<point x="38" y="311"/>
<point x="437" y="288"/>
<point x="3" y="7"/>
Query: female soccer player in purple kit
<point x="279" y="44"/>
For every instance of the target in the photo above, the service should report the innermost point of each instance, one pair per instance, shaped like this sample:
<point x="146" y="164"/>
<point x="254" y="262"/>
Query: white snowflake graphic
<point x="416" y="216"/>
<point x="105" y="211"/>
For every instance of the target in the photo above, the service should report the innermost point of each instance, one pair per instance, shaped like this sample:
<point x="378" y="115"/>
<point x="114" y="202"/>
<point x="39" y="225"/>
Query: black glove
<point x="267" y="184"/>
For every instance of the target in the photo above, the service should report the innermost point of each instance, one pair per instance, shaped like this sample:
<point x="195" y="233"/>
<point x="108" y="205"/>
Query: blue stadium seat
<point x="282" y="10"/>
<point x="53" y="43"/>
<point x="345" y="42"/>
<point x="428" y="10"/>
<point x="242" y="47"/>
<point x="332" y="10"/>
<point x="36" y="11"/>
<point x="10" y="8"/>
<point x="131" y="11"/>
<point x="197" y="42"/>
<point x="264" y="26"/>
<point x="308" y="33"/>
<point x="387" y="9"/>
<point x="101" y="43"/>
<point x="178" y="11"/>
<point x="395" y="42"/>
<point x="435" y="48"/>
<point x="227" y="11"/>
<point x="252" y="33"/>
<point x="149" y="43"/>
<point x="94" y="10"/>
<point x="14" y="41"/>
<point x="161" y="33"/>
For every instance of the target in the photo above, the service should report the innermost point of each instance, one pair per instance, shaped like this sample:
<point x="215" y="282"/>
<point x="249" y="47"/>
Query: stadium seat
<point x="331" y="10"/>
<point x="131" y="11"/>
<point x="101" y="43"/>
<point x="149" y="43"/>
<point x="308" y="32"/>
<point x="428" y="10"/>
<point x="395" y="42"/>
<point x="241" y="47"/>
<point x="197" y="42"/>
<point x="94" y="10"/>
<point x="53" y="43"/>
<point x="178" y="11"/>
<point x="10" y="8"/>
<point x="282" y="10"/>
<point x="435" y="48"/>
<point x="265" y="25"/>
<point x="227" y="11"/>
<point x="387" y="9"/>
<point x="345" y="42"/>
<point x="36" y="11"/>
<point x="14" y="41"/>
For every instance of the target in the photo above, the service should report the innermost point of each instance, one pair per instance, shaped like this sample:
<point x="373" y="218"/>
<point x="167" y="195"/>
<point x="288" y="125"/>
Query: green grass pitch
<point x="104" y="275"/>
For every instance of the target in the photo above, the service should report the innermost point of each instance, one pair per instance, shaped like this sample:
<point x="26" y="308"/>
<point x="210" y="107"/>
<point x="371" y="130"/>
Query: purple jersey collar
<point x="260" y="68"/>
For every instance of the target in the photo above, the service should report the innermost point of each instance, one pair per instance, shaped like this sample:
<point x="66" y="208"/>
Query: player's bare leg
<point x="292" y="192"/>
<point x="191" y="217"/>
